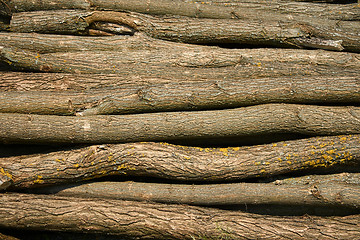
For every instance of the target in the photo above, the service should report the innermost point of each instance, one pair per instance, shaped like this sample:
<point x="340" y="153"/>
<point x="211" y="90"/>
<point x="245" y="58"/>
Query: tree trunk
<point x="330" y="194"/>
<point x="160" y="221"/>
<point x="112" y="94"/>
<point x="330" y="35"/>
<point x="189" y="62"/>
<point x="168" y="161"/>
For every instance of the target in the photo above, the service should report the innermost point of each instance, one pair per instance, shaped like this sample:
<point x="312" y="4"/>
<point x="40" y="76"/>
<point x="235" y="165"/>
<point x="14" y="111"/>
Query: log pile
<point x="176" y="119"/>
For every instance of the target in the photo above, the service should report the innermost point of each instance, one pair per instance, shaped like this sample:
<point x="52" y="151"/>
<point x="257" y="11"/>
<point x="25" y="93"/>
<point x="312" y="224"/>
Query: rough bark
<point x="208" y="9"/>
<point x="344" y="178"/>
<point x="51" y="93"/>
<point x="176" y="162"/>
<point x="247" y="122"/>
<point x="161" y="221"/>
<point x="331" y="34"/>
<point x="189" y="62"/>
<point x="319" y="194"/>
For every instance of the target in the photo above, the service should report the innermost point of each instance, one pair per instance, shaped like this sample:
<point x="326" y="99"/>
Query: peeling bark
<point x="319" y="194"/>
<point x="168" y="161"/>
<point x="161" y="221"/>
<point x="288" y="33"/>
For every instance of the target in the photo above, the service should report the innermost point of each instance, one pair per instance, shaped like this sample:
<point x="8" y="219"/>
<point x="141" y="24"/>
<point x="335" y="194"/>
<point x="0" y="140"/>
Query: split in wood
<point x="175" y="162"/>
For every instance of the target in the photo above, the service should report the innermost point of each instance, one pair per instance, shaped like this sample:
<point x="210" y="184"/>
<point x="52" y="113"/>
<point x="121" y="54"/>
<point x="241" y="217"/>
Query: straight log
<point x="163" y="160"/>
<point x="162" y="221"/>
<point x="241" y="123"/>
<point x="334" y="194"/>
<point x="342" y="178"/>
<point x="187" y="61"/>
<point x="113" y="94"/>
<point x="197" y="9"/>
<point x="330" y="35"/>
<point x="7" y="237"/>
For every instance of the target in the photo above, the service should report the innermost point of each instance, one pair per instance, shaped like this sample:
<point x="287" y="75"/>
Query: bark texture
<point x="219" y="194"/>
<point x="168" y="161"/>
<point x="160" y="221"/>
<point x="343" y="178"/>
<point x="329" y="34"/>
<point x="263" y="120"/>
<point x="111" y="94"/>
<point x="229" y="63"/>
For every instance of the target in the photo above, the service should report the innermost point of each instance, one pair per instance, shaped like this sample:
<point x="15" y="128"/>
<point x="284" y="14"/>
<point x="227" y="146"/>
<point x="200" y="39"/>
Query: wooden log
<point x="176" y="162"/>
<point x="161" y="221"/>
<point x="199" y="9"/>
<point x="319" y="194"/>
<point x="329" y="35"/>
<point x="343" y="178"/>
<point x="247" y="122"/>
<point x="187" y="61"/>
<point x="113" y="94"/>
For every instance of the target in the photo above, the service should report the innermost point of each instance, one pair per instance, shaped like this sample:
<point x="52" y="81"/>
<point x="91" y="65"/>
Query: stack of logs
<point x="174" y="119"/>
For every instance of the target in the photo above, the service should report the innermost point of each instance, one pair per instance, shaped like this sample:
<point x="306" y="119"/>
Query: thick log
<point x="113" y="94"/>
<point x="330" y="34"/>
<point x="241" y="123"/>
<point x="319" y="194"/>
<point x="176" y="162"/>
<point x="161" y="221"/>
<point x="188" y="61"/>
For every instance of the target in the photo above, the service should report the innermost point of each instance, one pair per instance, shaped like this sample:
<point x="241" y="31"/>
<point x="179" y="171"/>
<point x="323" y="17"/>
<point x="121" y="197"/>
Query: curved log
<point x="319" y="194"/>
<point x="160" y="221"/>
<point x="176" y="162"/>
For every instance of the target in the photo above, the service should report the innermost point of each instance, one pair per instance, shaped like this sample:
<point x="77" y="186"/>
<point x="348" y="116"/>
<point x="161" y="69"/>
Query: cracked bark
<point x="161" y="221"/>
<point x="319" y="194"/>
<point x="288" y="33"/>
<point x="176" y="162"/>
<point x="277" y="121"/>
<point x="185" y="61"/>
<point x="113" y="94"/>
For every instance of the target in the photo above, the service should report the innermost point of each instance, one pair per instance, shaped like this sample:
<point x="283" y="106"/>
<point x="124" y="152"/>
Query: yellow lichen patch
<point x="284" y="144"/>
<point x="327" y="157"/>
<point x="208" y="150"/>
<point x="224" y="151"/>
<point x="342" y="139"/>
<point x="39" y="179"/>
<point x="110" y="157"/>
<point x="6" y="173"/>
<point x="274" y="145"/>
<point x="124" y="167"/>
<point x="279" y="159"/>
<point x="257" y="163"/>
<point x="322" y="145"/>
<point x="289" y="162"/>
<point x="258" y="64"/>
<point x="262" y="171"/>
<point x="76" y="165"/>
<point x="92" y="163"/>
<point x="332" y="151"/>
<point x="267" y="163"/>
<point x="38" y="56"/>
<point x="236" y="149"/>
<point x="187" y="158"/>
